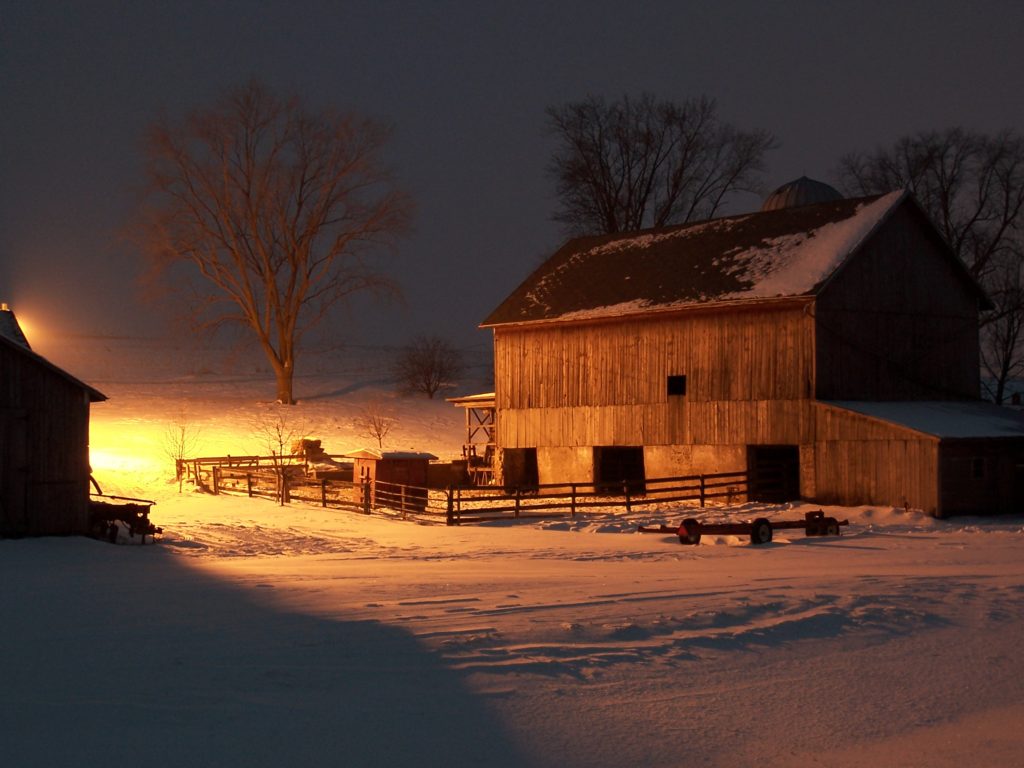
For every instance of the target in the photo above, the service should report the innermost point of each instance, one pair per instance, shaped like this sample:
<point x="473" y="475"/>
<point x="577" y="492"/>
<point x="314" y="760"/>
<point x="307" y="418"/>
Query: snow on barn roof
<point x="974" y="419"/>
<point x="369" y="453"/>
<point x="779" y="253"/>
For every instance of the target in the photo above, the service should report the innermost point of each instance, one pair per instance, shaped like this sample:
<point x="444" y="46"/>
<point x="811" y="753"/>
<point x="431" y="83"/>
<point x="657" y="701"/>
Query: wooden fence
<point x="456" y="505"/>
<point x="474" y="505"/>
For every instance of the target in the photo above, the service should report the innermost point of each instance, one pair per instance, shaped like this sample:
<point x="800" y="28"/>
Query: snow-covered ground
<point x="256" y="635"/>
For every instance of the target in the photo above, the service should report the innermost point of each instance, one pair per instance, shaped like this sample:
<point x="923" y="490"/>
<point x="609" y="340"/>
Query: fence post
<point x="248" y="483"/>
<point x="450" y="514"/>
<point x="286" y="496"/>
<point x="572" y="502"/>
<point x="366" y="495"/>
<point x="323" y="492"/>
<point x="216" y="480"/>
<point x="401" y="500"/>
<point x="702" y="491"/>
<point x="518" y="491"/>
<point x="625" y="491"/>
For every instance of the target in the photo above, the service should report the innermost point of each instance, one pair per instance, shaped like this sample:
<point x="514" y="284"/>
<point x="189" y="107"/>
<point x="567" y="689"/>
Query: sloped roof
<point x="781" y="253"/>
<point x="950" y="420"/>
<point x="95" y="395"/>
<point x="370" y="453"/>
<point x="10" y="328"/>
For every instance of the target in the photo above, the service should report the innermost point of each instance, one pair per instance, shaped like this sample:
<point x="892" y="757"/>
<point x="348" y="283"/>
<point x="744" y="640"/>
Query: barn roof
<point x="369" y="453"/>
<point x="788" y="252"/>
<point x="95" y="396"/>
<point x="10" y="328"/>
<point x="950" y="420"/>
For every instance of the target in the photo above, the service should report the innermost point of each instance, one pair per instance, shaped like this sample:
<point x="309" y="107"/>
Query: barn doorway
<point x="519" y="468"/>
<point x="618" y="466"/>
<point x="774" y="472"/>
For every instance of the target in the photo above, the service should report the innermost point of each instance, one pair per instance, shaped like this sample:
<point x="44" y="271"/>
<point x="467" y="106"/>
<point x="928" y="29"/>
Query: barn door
<point x="616" y="467"/>
<point x="13" y="473"/>
<point x="774" y="472"/>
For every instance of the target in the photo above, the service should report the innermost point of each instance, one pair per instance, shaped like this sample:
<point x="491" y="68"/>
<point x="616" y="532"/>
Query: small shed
<point x="44" y="440"/>
<point x="947" y="458"/>
<point x="397" y="478"/>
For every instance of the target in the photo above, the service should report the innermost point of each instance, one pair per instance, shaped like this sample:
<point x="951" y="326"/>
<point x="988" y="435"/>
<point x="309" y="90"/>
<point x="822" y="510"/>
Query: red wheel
<point x="689" y="531"/>
<point x="760" y="531"/>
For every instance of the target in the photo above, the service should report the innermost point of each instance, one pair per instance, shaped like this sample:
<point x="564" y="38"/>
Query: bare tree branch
<point x="643" y="163"/>
<point x="280" y="209"/>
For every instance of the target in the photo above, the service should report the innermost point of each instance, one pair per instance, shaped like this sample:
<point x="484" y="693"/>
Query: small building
<point x="44" y="440"/>
<point x="396" y="478"/>
<point x="801" y="344"/>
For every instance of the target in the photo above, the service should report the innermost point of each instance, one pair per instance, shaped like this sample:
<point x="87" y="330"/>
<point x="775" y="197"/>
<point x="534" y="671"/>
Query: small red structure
<point x="397" y="479"/>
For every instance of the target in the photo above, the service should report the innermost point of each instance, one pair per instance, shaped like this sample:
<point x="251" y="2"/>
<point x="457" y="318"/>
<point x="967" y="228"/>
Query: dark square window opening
<point x="677" y="385"/>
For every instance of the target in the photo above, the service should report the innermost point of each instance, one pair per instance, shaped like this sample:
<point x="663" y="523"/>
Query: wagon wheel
<point x="831" y="526"/>
<point x="760" y="531"/>
<point x="689" y="532"/>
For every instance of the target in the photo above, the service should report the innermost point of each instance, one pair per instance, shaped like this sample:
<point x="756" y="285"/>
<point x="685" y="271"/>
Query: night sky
<point x="465" y="85"/>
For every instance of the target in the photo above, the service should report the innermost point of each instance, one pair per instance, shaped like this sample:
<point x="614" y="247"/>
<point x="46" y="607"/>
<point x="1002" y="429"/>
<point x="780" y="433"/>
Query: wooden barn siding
<point x="748" y="376"/>
<point x="898" y="322"/>
<point x="54" y="419"/>
<point x="999" y="490"/>
<point x="859" y="460"/>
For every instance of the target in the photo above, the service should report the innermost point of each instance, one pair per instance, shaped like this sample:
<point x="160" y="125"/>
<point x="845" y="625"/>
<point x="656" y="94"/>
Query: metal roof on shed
<point x="943" y="419"/>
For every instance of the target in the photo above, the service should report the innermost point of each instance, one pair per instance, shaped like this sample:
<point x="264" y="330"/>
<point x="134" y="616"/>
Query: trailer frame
<point x="760" y="529"/>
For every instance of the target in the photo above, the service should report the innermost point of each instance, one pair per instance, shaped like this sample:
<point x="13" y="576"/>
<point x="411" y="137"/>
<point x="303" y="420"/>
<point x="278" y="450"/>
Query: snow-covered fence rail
<point x="474" y="505"/>
<point x="457" y="505"/>
<point x="201" y="470"/>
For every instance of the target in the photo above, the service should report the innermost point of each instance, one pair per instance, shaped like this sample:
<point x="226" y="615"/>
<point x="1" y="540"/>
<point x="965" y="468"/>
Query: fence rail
<point x="457" y="505"/>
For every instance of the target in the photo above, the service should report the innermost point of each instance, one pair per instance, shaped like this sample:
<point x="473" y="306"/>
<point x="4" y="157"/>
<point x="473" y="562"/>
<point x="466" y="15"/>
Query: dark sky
<point x="465" y="85"/>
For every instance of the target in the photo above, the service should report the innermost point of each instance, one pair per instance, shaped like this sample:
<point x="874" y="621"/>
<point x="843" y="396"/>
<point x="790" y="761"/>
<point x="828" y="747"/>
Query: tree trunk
<point x="283" y="374"/>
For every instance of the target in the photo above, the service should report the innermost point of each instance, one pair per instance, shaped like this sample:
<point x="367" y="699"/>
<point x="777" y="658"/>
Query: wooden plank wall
<point x="748" y="379"/>
<point x="51" y="460"/>
<point x="858" y="460"/>
<point x="898" y="322"/>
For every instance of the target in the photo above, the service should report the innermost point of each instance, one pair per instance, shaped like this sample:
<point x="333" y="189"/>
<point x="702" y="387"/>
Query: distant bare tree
<point x="181" y="437"/>
<point x="375" y="420"/>
<point x="428" y="365"/>
<point x="277" y="431"/>
<point x="638" y="163"/>
<point x="278" y="208"/>
<point x="1002" y="347"/>
<point x="972" y="187"/>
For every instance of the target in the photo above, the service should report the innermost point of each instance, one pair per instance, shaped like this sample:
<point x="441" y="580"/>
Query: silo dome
<point x="802" y="191"/>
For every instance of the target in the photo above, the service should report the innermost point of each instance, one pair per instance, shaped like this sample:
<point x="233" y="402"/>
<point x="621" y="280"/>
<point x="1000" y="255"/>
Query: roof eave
<point x="705" y="306"/>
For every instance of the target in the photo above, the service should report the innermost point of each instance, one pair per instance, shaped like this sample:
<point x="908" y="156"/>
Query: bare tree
<point x="428" y="364"/>
<point x="277" y="431"/>
<point x="972" y="187"/>
<point x="375" y="420"/>
<point x="1002" y="348"/>
<point x="280" y="209"/>
<point x="181" y="437"/>
<point x="639" y="163"/>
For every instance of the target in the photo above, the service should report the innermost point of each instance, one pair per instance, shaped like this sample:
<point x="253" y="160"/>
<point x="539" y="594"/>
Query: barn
<point x="826" y="346"/>
<point x="44" y="440"/>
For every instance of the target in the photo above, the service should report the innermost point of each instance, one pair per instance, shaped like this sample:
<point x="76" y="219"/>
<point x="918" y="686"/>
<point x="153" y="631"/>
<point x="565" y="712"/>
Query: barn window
<point x="677" y="385"/>
<point x="978" y="468"/>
